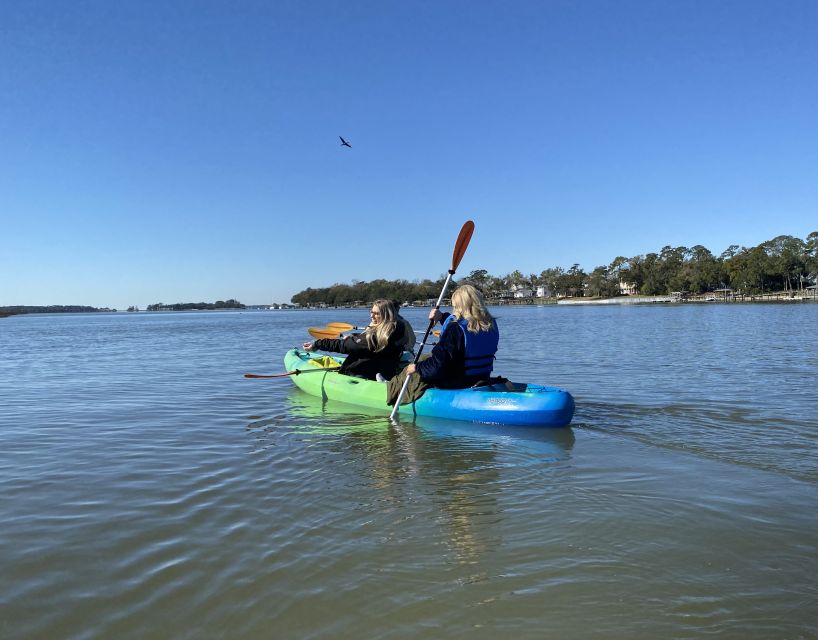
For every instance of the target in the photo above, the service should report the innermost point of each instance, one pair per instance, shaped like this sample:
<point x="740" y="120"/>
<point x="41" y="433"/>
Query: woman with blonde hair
<point x="377" y="350"/>
<point x="464" y="353"/>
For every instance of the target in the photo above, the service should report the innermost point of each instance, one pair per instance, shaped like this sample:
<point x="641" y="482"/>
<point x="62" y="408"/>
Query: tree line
<point x="785" y="263"/>
<point x="54" y="308"/>
<point x="195" y="306"/>
<point x="363" y="292"/>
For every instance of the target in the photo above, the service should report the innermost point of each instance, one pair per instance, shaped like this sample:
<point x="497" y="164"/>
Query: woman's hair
<point x="468" y="304"/>
<point x="377" y="336"/>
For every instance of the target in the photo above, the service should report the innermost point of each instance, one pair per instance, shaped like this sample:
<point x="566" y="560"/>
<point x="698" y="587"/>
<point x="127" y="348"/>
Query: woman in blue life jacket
<point x="464" y="353"/>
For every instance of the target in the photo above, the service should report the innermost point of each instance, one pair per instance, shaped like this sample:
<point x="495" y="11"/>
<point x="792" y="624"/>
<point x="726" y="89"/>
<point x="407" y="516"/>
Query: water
<point x="147" y="489"/>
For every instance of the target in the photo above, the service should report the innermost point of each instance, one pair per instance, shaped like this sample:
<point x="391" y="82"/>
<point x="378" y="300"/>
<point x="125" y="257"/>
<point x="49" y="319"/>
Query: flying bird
<point x="344" y="143"/>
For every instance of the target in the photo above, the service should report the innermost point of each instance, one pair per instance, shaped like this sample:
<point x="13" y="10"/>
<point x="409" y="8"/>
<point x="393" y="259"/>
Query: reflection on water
<point x="455" y="466"/>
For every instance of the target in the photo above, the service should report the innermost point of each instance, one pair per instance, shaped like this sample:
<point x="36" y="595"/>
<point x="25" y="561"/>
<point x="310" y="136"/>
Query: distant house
<point x="627" y="288"/>
<point x="544" y="291"/>
<point x="523" y="292"/>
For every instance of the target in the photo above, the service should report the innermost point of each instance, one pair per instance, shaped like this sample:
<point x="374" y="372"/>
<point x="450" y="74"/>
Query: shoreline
<point x="580" y="301"/>
<point x="773" y="298"/>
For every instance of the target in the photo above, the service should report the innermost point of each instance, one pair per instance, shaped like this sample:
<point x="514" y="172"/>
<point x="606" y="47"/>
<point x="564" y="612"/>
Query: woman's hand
<point x="309" y="346"/>
<point x="411" y="368"/>
<point x="435" y="315"/>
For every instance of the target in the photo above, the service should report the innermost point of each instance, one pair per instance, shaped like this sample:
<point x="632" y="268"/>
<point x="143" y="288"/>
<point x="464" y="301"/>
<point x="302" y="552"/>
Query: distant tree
<point x="787" y="256"/>
<point x="703" y="271"/>
<point x="750" y="270"/>
<point x="600" y="284"/>
<point x="811" y="260"/>
<point x="552" y="279"/>
<point x="729" y="252"/>
<point x="571" y="282"/>
<point x="618" y="271"/>
<point x="479" y="279"/>
<point x="649" y="272"/>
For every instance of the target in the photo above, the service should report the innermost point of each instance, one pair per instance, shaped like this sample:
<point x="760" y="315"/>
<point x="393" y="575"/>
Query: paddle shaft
<point x="460" y="246"/>
<point x="294" y="372"/>
<point x="422" y="344"/>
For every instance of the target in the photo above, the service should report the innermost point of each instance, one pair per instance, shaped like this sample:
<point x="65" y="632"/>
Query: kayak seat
<point x="324" y="362"/>
<point x="499" y="383"/>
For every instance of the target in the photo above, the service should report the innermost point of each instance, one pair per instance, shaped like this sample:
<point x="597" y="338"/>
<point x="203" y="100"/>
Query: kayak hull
<point x="527" y="405"/>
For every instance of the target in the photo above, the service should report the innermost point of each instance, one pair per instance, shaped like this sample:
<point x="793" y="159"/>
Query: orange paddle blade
<point x="323" y="332"/>
<point x="341" y="326"/>
<point x="462" y="244"/>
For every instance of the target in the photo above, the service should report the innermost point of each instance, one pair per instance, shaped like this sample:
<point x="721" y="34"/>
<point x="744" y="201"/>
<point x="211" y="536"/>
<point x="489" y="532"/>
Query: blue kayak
<point x="519" y="404"/>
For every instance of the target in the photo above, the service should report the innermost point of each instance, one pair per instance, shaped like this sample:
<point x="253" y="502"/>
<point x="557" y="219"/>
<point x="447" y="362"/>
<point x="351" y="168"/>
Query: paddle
<point x="321" y="332"/>
<point x="294" y="372"/>
<point x="460" y="247"/>
<point x="342" y="326"/>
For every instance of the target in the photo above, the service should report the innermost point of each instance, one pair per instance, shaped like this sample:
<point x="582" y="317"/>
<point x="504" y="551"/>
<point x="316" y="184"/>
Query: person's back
<point x="409" y="338"/>
<point x="464" y="353"/>
<point x="470" y="352"/>
<point x="408" y="341"/>
<point x="462" y="356"/>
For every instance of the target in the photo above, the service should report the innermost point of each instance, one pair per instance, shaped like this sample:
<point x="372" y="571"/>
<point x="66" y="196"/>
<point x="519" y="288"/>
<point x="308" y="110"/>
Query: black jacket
<point x="361" y="361"/>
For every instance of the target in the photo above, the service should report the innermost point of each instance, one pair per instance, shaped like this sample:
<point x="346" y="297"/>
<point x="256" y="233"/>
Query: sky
<point x="187" y="151"/>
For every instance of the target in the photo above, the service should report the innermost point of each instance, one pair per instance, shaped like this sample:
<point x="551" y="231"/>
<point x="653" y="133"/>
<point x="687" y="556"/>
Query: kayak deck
<point x="523" y="404"/>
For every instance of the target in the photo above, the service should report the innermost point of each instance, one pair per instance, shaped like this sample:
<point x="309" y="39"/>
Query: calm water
<point x="147" y="489"/>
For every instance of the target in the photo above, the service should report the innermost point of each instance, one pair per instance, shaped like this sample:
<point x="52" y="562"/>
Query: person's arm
<point x="438" y="316"/>
<point x="355" y="344"/>
<point x="335" y="345"/>
<point x="444" y="356"/>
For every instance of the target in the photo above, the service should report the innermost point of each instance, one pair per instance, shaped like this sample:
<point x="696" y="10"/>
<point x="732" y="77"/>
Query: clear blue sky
<point x="188" y="151"/>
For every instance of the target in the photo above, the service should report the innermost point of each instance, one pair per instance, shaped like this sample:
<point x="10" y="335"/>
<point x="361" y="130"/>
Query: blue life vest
<point x="480" y="347"/>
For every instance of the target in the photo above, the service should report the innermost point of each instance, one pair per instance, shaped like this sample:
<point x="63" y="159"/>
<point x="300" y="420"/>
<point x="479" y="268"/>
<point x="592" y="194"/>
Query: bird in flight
<point x="344" y="143"/>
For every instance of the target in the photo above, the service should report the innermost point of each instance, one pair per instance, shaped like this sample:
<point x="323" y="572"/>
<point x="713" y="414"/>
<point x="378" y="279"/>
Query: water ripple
<point x="149" y="490"/>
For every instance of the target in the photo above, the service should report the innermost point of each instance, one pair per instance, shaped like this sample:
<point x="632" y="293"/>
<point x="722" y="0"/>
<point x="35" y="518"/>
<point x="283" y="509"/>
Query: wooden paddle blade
<point x="323" y="332"/>
<point x="462" y="244"/>
<point x="341" y="326"/>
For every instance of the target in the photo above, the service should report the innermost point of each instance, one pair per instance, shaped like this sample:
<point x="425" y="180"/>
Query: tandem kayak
<point x="531" y="405"/>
